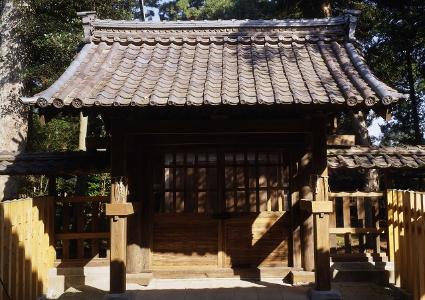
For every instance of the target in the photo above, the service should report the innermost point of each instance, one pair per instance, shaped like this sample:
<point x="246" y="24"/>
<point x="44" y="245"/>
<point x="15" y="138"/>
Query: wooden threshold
<point x="211" y="272"/>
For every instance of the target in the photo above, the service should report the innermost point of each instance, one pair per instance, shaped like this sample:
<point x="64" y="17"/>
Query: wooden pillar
<point x="119" y="190"/>
<point x="307" y="233"/>
<point x="305" y="192"/>
<point x="136" y="179"/>
<point x="321" y="220"/>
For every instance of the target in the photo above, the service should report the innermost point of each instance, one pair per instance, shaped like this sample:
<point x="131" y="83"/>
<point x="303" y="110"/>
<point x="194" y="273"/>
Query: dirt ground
<point x="223" y="289"/>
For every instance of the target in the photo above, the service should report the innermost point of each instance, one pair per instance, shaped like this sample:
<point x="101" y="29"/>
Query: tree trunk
<point x="363" y="139"/>
<point x="413" y="100"/>
<point x="13" y="116"/>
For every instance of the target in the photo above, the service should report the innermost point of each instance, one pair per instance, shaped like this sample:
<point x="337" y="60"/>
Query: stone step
<point x="377" y="272"/>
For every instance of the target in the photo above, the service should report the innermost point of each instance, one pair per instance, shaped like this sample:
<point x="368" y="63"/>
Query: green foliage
<point x="241" y="9"/>
<point x="59" y="134"/>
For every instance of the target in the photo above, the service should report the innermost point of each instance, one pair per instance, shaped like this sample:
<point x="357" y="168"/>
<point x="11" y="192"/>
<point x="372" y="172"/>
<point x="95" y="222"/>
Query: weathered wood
<point x="356" y="194"/>
<point x="119" y="209"/>
<point x="321" y="221"/>
<point x="26" y="252"/>
<point x="406" y="216"/>
<point x="119" y="191"/>
<point x="316" y="207"/>
<point x="356" y="230"/>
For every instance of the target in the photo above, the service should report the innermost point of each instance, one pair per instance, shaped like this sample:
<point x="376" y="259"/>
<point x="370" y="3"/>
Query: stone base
<point x="117" y="297"/>
<point x="324" y="295"/>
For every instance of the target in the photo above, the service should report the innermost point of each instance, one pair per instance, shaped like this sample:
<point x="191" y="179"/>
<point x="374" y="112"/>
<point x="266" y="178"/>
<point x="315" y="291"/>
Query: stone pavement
<point x="223" y="289"/>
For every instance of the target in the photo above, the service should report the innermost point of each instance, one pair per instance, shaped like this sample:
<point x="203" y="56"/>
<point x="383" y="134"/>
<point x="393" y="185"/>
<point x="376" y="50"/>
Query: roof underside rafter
<point x="131" y="63"/>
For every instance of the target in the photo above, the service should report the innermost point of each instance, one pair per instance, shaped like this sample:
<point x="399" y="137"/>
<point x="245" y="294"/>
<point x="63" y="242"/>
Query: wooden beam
<point x="119" y="209"/>
<point x="316" y="207"/>
<point x="356" y="194"/>
<point x="224" y="126"/>
<point x="356" y="230"/>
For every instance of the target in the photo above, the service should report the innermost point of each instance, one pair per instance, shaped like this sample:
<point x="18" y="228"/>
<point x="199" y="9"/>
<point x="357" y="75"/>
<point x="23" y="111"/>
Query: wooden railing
<point x="81" y="228"/>
<point x="406" y="231"/>
<point x="26" y="247"/>
<point x="358" y="225"/>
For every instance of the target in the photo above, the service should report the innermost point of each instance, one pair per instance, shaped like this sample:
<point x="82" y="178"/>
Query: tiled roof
<point x="54" y="163"/>
<point x="409" y="157"/>
<point x="218" y="62"/>
<point x="65" y="163"/>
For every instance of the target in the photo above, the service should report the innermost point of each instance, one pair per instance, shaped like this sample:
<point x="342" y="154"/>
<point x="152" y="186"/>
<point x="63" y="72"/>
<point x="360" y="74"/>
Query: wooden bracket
<point x="119" y="209"/>
<point x="316" y="207"/>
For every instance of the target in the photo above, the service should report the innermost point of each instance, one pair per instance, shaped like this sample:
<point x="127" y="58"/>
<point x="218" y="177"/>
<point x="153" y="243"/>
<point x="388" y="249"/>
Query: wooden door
<point x="219" y="208"/>
<point x="256" y="192"/>
<point x="185" y="233"/>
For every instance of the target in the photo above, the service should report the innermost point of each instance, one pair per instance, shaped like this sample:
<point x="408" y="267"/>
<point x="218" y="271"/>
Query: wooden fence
<point x="26" y="249"/>
<point x="81" y="228"/>
<point x="358" y="226"/>
<point x="406" y="231"/>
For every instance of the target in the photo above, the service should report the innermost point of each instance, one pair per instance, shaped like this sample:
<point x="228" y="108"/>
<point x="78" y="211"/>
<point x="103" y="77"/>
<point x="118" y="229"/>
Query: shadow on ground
<point x="230" y="289"/>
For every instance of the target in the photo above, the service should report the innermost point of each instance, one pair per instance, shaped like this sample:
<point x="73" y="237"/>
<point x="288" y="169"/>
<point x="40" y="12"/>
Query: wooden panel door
<point x="185" y="234"/>
<point x="221" y="209"/>
<point x="256" y="199"/>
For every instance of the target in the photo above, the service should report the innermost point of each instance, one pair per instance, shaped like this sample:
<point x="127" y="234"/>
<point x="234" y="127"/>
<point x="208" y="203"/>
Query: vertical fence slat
<point x="24" y="248"/>
<point x="347" y="222"/>
<point x="420" y="207"/>
<point x="390" y="205"/>
<point x="332" y="224"/>
<point x="406" y="221"/>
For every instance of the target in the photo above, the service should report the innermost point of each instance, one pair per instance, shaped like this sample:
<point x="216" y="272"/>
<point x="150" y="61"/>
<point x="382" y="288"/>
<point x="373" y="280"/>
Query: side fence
<point x="357" y="227"/>
<point x="26" y="247"/>
<point x="406" y="232"/>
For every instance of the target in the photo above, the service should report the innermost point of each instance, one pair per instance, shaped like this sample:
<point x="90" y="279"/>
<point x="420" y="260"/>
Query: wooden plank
<point x="420" y="206"/>
<point x="376" y="217"/>
<point x="413" y="238"/>
<point x="368" y="223"/>
<point x="316" y="207"/>
<point x="81" y="235"/>
<point x="94" y="228"/>
<point x="357" y="194"/>
<point x="332" y="224"/>
<point x="403" y="243"/>
<point x="78" y="207"/>
<point x="397" y="254"/>
<point x="356" y="230"/>
<point x="119" y="209"/>
<point x="346" y="222"/>
<point x="2" y="240"/>
<point x="361" y="221"/>
<point x="390" y="238"/>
